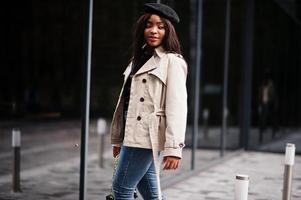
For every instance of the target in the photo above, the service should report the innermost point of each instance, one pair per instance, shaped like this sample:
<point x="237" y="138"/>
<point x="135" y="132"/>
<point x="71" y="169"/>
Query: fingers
<point x="175" y="165"/>
<point x="171" y="163"/>
<point x="167" y="165"/>
<point x="116" y="151"/>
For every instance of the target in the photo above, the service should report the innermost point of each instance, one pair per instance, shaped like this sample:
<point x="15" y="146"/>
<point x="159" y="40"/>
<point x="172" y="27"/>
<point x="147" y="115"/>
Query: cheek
<point x="145" y="33"/>
<point x="162" y="34"/>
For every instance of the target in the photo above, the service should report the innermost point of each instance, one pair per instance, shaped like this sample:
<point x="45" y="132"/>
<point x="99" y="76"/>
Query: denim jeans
<point x="135" y="170"/>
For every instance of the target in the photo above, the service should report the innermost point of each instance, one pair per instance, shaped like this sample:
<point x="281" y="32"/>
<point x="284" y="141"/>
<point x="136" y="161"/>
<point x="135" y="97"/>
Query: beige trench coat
<point x="157" y="110"/>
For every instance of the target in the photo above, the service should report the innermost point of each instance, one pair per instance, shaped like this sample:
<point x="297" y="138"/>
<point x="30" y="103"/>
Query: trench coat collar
<point x="152" y="63"/>
<point x="149" y="65"/>
<point x="159" y="51"/>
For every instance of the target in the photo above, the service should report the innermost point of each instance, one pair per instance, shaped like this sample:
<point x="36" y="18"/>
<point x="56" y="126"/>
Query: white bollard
<point x="101" y="130"/>
<point x="101" y="126"/>
<point x="288" y="171"/>
<point x="241" y="187"/>
<point x="16" y="144"/>
<point x="16" y="138"/>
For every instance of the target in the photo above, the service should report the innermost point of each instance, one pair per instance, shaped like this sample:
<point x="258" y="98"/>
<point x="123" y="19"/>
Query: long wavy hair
<point x="170" y="41"/>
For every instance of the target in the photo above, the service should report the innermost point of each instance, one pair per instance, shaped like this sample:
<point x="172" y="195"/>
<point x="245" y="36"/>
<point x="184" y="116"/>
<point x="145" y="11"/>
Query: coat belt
<point x="160" y="112"/>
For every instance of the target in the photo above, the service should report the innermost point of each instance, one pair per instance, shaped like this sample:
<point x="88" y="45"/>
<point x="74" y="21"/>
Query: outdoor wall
<point x="44" y="49"/>
<point x="43" y="45"/>
<point x="277" y="50"/>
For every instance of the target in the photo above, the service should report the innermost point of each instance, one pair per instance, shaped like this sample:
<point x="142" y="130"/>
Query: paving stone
<point x="60" y="180"/>
<point x="264" y="169"/>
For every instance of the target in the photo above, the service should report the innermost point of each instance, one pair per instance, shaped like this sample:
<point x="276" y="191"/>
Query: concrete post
<point x="101" y="129"/>
<point x="288" y="171"/>
<point x="16" y="144"/>
<point x="241" y="187"/>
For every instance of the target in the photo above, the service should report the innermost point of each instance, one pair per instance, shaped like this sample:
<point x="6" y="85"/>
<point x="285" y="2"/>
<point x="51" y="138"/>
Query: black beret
<point x="163" y="11"/>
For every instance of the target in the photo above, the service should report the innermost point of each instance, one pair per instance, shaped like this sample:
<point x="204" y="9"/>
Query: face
<point x="154" y="31"/>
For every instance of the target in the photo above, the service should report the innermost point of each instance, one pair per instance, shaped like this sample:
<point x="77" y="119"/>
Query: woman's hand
<point x="171" y="162"/>
<point x="116" y="151"/>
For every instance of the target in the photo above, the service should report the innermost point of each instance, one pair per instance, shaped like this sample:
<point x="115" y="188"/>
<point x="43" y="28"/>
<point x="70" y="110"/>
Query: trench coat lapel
<point x="160" y="72"/>
<point x="148" y="66"/>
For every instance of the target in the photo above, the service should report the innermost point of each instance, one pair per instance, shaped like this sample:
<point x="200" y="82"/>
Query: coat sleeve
<point x="175" y="107"/>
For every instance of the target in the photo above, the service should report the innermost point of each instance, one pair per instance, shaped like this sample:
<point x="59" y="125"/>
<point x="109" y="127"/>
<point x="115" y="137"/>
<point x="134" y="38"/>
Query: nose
<point x="154" y="29"/>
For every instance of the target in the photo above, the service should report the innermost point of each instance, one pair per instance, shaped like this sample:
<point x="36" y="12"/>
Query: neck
<point x="148" y="50"/>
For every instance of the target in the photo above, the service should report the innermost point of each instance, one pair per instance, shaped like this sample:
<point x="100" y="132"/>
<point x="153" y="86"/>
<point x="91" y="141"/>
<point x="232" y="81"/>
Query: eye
<point x="148" y="25"/>
<point x="160" y="25"/>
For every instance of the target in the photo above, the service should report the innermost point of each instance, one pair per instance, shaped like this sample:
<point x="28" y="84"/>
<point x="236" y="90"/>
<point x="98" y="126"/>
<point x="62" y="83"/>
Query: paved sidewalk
<point x="59" y="181"/>
<point x="264" y="169"/>
<point x="50" y="168"/>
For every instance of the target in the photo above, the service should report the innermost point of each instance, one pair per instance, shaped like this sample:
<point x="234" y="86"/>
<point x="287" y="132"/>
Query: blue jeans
<point x="135" y="170"/>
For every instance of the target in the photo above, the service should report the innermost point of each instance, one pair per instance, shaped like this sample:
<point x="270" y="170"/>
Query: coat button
<point x="141" y="99"/>
<point x="181" y="145"/>
<point x="138" y="118"/>
<point x="144" y="80"/>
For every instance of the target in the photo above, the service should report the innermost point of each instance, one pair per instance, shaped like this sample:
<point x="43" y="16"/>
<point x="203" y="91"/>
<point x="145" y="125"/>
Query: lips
<point x="152" y="39"/>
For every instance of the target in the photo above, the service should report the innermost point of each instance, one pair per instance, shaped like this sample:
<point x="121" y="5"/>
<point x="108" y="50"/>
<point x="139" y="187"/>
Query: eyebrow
<point x="161" y="22"/>
<point x="149" y="21"/>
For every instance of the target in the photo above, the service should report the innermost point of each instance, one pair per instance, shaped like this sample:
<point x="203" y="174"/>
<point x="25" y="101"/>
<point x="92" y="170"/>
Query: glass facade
<point x="43" y="55"/>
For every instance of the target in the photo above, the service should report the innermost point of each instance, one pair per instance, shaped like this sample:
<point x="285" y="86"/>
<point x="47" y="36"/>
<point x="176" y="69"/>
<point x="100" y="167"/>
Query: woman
<point x="150" y="115"/>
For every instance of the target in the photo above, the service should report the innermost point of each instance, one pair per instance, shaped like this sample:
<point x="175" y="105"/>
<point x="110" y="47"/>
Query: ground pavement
<point x="216" y="182"/>
<point x="50" y="171"/>
<point x="264" y="169"/>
